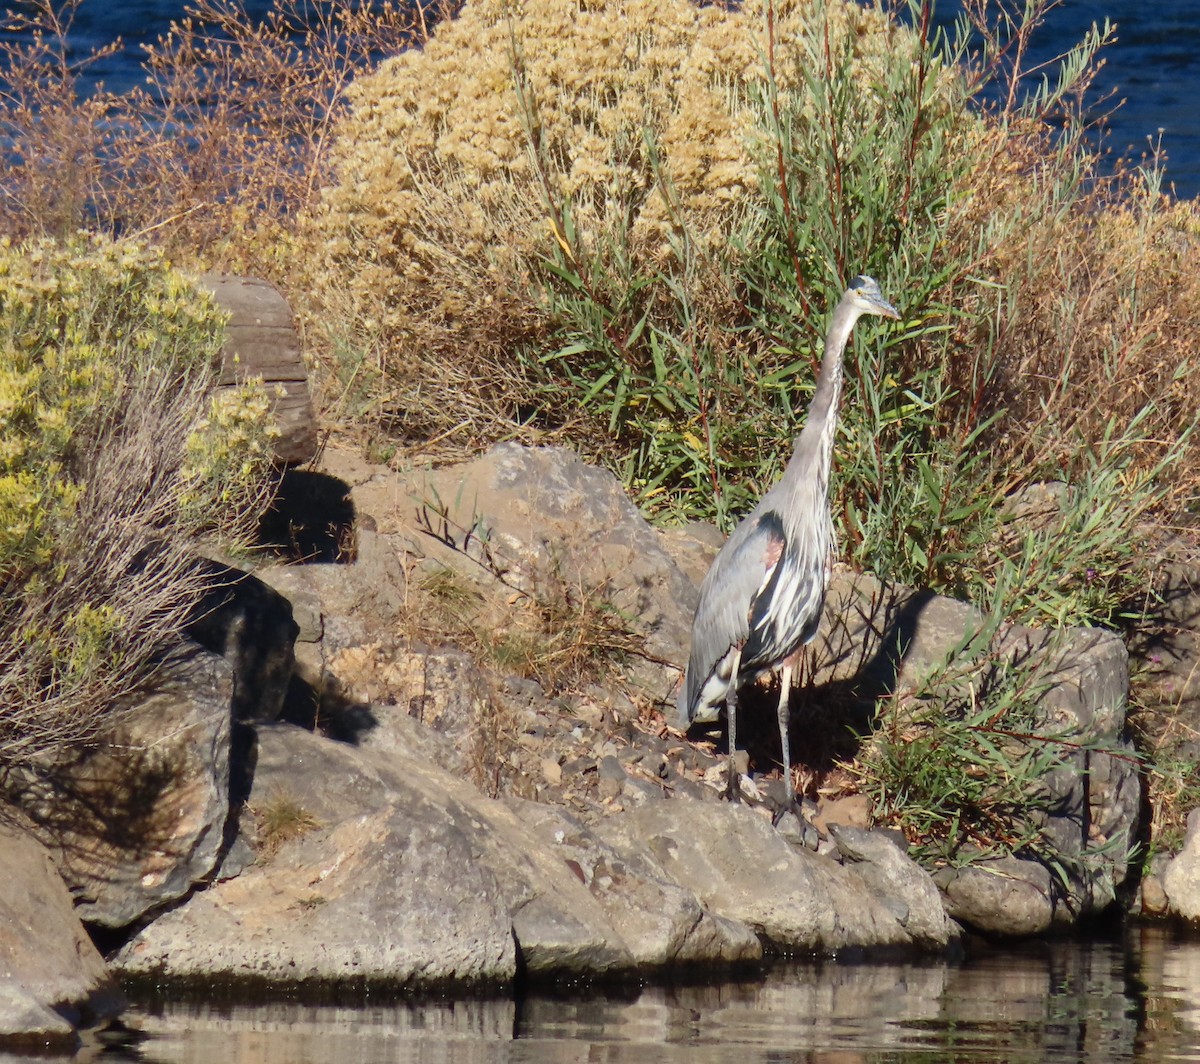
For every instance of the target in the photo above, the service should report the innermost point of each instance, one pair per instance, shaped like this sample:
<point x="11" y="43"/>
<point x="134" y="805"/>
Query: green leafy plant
<point x="963" y="763"/>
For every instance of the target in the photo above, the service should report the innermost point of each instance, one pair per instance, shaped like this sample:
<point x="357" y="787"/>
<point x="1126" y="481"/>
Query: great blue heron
<point x="761" y="600"/>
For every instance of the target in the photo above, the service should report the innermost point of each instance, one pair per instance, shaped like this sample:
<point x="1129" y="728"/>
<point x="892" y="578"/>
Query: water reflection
<point x="1133" y="999"/>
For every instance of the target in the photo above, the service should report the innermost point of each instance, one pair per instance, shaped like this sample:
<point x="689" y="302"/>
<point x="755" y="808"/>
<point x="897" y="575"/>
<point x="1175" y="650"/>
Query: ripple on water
<point x="1137" y="999"/>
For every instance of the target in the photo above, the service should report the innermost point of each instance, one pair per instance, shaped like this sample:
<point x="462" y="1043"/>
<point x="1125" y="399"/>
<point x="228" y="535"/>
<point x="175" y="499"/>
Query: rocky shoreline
<point x="313" y="797"/>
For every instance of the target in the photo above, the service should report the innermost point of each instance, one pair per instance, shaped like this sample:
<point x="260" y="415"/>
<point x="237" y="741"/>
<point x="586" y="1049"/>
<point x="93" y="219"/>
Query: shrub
<point x="220" y="148"/>
<point x="562" y="166"/>
<point x="107" y="360"/>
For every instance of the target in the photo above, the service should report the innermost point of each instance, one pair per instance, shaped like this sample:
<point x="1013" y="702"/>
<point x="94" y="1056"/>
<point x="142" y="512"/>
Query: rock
<point x="261" y="343"/>
<point x="52" y="979"/>
<point x="1181" y="879"/>
<point x="853" y="811"/>
<point x="295" y="584"/>
<point x="384" y="885"/>
<point x="741" y="868"/>
<point x="1152" y="896"/>
<point x="353" y="902"/>
<point x="360" y="891"/>
<point x="661" y="925"/>
<point x="1038" y="506"/>
<point x="1003" y="896"/>
<point x="442" y="689"/>
<point x="899" y="882"/>
<point x="26" y="1024"/>
<point x="139" y="819"/>
<point x="539" y="515"/>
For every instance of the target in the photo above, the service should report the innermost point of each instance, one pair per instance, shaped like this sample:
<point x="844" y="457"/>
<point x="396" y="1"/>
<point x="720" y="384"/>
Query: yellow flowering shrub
<point x="108" y="358"/>
<point x="596" y="127"/>
<point x="227" y="467"/>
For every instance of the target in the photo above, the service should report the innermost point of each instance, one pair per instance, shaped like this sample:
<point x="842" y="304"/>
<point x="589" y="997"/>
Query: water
<point x="1150" y="80"/>
<point x="1133" y="999"/>
<point x="1154" y="67"/>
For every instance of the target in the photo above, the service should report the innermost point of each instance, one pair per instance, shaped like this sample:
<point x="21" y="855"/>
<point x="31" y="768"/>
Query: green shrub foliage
<point x="108" y="463"/>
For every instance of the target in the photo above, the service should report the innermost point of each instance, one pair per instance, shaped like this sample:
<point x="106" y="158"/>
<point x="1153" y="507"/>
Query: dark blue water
<point x="1149" y="85"/>
<point x="1152" y="71"/>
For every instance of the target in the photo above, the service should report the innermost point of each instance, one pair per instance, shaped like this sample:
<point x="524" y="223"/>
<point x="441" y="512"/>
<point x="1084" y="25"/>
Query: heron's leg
<point x="733" y="789"/>
<point x="785" y="719"/>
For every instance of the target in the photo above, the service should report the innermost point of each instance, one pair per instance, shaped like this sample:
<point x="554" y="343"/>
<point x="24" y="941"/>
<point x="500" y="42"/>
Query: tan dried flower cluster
<point x="461" y="160"/>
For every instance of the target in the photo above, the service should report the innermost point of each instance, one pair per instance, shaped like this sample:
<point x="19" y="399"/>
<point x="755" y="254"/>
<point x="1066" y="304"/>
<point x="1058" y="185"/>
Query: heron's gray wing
<point x="741" y="569"/>
<point x="786" y="610"/>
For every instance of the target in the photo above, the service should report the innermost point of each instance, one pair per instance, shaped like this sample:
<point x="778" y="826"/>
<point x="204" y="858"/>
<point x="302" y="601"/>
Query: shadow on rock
<point x="856" y="659"/>
<point x="312" y="518"/>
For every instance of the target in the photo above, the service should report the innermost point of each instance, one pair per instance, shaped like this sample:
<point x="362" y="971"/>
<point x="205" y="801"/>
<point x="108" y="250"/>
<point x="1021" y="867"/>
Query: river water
<point x="1132" y="998"/>
<point x="1152" y="71"/>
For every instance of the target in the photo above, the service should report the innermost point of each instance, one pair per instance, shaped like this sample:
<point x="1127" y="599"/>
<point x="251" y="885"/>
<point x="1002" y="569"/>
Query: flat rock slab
<point x="409" y="875"/>
<point x="352" y="902"/>
<point x="385" y="885"/>
<point x="661" y="924"/>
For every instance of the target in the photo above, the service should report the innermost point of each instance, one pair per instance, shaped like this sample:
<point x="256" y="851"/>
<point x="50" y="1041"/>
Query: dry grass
<point x="1093" y="316"/>
<point x="562" y="635"/>
<point x="280" y="819"/>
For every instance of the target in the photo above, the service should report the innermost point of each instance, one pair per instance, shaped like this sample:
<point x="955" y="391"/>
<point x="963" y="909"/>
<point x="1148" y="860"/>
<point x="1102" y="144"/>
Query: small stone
<point x="639" y="790"/>
<point x="579" y="766"/>
<point x="1154" y="897"/>
<point x="853" y="811"/>
<point x="611" y="769"/>
<point x="552" y="771"/>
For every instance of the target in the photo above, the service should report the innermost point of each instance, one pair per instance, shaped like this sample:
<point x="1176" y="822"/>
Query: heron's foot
<point x="790" y="820"/>
<point x="737" y="766"/>
<point x="733" y="782"/>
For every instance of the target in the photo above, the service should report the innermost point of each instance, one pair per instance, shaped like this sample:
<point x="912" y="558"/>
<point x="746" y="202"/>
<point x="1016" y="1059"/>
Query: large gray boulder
<point x="364" y="892"/>
<point x="661" y="924"/>
<point x="540" y="515"/>
<point x="52" y="979"/>
<point x="379" y="880"/>
<point x="898" y="882"/>
<point x="139" y="818"/>
<point x="740" y="867"/>
<point x="1181" y="877"/>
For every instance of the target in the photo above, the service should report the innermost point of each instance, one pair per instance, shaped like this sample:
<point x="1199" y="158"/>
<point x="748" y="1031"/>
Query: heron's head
<point x="863" y="293"/>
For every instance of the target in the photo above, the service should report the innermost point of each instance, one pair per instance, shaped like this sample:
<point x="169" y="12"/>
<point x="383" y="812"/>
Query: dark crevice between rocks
<point x="329" y="712"/>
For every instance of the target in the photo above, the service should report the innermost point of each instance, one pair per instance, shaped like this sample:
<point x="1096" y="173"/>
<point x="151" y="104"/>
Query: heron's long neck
<point x="814" y="447"/>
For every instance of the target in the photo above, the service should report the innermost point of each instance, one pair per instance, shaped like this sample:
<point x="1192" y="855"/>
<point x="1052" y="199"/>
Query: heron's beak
<point x="887" y="310"/>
